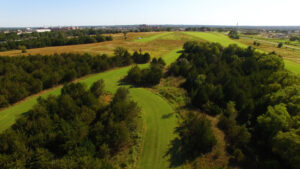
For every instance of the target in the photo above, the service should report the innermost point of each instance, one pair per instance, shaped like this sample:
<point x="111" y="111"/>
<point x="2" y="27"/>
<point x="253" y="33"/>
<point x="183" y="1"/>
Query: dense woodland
<point x="256" y="99"/>
<point x="205" y="29"/>
<point x="38" y="40"/>
<point x="294" y="38"/>
<point x="12" y="36"/>
<point x="23" y="76"/>
<point x="76" y="130"/>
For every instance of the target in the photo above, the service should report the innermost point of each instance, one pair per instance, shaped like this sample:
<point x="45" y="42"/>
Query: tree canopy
<point x="73" y="130"/>
<point x="257" y="98"/>
<point x="26" y="75"/>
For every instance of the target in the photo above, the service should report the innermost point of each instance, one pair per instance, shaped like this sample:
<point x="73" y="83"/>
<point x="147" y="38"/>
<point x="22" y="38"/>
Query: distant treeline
<point x="23" y="76"/>
<point x="49" y="40"/>
<point x="256" y="98"/>
<point x="210" y="29"/>
<point x="294" y="38"/>
<point x="75" y="130"/>
<point x="55" y="34"/>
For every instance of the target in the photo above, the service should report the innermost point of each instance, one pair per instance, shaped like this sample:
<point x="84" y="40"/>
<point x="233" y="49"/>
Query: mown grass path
<point x="159" y="123"/>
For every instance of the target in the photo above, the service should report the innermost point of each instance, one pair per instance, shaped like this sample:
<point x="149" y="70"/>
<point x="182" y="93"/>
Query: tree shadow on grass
<point x="167" y="116"/>
<point x="178" y="154"/>
<point x="175" y="153"/>
<point x="181" y="150"/>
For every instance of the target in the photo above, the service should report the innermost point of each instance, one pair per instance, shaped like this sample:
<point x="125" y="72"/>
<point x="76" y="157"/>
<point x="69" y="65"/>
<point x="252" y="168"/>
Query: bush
<point x="196" y="135"/>
<point x="141" y="58"/>
<point x="238" y="155"/>
<point x="70" y="130"/>
<point x="146" y="77"/>
<point x="234" y="34"/>
<point x="98" y="88"/>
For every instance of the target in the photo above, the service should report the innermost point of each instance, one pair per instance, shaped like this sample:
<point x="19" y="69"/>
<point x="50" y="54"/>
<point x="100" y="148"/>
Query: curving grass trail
<point x="160" y="122"/>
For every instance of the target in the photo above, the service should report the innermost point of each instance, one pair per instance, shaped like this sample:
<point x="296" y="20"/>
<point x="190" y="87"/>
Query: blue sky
<point x="120" y="12"/>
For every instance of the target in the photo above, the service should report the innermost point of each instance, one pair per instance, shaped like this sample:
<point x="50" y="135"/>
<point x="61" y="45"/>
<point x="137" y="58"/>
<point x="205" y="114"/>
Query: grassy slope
<point x="292" y="66"/>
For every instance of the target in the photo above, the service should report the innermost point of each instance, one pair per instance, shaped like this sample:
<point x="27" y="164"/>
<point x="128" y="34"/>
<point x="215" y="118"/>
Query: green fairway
<point x="151" y="38"/>
<point x="292" y="66"/>
<point x="215" y="37"/>
<point x="160" y="122"/>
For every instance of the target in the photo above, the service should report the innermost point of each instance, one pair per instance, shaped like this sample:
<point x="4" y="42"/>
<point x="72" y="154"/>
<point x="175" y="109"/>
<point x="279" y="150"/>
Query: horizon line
<point x="51" y="26"/>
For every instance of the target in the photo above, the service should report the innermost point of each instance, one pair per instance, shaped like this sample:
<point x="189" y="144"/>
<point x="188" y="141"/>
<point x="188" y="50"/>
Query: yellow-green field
<point x="156" y="43"/>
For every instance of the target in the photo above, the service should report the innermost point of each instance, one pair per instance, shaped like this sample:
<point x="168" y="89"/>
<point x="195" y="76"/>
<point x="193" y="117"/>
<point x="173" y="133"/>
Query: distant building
<point x="42" y="30"/>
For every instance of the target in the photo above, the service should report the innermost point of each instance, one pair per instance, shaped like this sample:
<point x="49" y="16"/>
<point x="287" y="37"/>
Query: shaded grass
<point x="216" y="159"/>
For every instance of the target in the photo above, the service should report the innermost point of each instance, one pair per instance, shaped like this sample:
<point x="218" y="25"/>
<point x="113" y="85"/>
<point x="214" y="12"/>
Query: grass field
<point x="158" y="44"/>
